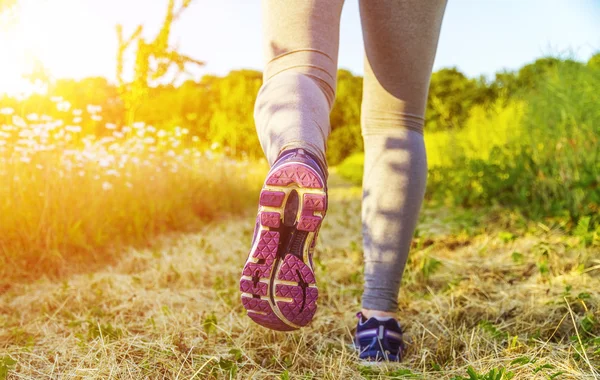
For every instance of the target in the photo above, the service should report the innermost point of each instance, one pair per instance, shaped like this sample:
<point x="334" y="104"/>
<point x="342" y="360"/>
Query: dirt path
<point x="489" y="292"/>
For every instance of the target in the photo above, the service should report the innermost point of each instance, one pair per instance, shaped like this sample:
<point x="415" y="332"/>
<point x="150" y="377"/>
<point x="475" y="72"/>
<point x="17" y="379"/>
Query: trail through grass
<point x="486" y="295"/>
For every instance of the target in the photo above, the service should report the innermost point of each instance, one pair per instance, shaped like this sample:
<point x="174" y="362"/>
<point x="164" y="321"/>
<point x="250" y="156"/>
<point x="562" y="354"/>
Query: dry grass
<point x="489" y="292"/>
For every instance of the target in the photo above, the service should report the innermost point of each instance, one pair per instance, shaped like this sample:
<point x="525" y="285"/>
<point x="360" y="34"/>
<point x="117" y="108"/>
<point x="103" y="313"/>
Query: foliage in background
<point x="536" y="150"/>
<point x="345" y="137"/>
<point x="153" y="60"/>
<point x="220" y="109"/>
<point x="528" y="139"/>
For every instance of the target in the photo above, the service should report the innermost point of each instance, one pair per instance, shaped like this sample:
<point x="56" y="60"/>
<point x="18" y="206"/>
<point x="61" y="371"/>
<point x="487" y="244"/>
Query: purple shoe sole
<point x="278" y="284"/>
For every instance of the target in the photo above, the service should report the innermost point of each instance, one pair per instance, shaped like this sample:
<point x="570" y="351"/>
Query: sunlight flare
<point x="48" y="39"/>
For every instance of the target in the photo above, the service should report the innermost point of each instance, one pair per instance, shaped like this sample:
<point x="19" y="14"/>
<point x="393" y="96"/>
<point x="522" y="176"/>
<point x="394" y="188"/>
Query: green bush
<point x="352" y="168"/>
<point x="538" y="153"/>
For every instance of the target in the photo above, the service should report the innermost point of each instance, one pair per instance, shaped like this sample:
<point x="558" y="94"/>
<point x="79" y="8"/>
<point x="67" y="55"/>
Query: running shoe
<point x="379" y="339"/>
<point x="278" y="284"/>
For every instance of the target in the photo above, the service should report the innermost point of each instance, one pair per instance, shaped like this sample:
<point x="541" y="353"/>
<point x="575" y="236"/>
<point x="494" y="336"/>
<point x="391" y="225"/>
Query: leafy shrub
<point x="538" y="154"/>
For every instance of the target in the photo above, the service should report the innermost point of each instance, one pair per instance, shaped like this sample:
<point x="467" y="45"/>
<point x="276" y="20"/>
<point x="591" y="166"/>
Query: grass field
<point x="487" y="295"/>
<point x="70" y="198"/>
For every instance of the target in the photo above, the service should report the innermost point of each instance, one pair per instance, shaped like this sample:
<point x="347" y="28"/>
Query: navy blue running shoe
<point x="379" y="340"/>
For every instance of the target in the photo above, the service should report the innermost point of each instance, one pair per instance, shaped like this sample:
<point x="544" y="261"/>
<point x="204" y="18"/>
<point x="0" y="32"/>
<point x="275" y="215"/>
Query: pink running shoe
<point x="278" y="284"/>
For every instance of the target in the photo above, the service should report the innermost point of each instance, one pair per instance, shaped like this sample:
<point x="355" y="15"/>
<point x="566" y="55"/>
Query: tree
<point x="232" y="121"/>
<point x="345" y="137"/>
<point x="346" y="109"/>
<point x="153" y="60"/>
<point x="451" y="95"/>
<point x="594" y="61"/>
<point x="529" y="77"/>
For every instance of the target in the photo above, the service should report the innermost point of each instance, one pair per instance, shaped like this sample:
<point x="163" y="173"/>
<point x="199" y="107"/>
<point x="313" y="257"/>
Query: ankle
<point x="368" y="313"/>
<point x="312" y="153"/>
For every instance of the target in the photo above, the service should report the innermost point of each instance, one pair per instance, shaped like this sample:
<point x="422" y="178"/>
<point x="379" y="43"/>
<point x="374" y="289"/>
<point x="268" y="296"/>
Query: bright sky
<point x="76" y="38"/>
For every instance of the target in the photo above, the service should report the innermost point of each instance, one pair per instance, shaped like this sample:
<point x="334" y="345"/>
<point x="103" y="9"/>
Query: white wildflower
<point x="18" y="121"/>
<point x="73" y="128"/>
<point x="63" y="106"/>
<point x="91" y="108"/>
